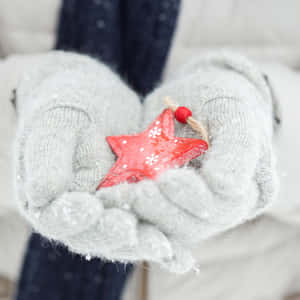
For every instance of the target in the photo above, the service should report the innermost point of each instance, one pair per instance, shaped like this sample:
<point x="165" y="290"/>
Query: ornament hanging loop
<point x="193" y="123"/>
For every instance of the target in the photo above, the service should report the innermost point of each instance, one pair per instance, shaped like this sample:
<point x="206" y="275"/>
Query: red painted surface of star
<point x="151" y="152"/>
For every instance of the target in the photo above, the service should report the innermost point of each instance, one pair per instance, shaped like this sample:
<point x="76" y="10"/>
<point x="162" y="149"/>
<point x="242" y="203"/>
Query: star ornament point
<point x="148" y="154"/>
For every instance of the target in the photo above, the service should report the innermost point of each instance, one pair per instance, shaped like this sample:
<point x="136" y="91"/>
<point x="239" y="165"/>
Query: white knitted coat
<point x="254" y="246"/>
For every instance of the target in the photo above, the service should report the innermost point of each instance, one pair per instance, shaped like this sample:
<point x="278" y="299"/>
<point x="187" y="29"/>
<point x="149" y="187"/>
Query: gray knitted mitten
<point x="62" y="154"/>
<point x="66" y="107"/>
<point x="237" y="178"/>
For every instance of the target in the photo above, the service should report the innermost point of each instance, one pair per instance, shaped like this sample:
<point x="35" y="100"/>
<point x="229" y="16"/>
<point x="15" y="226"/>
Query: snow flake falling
<point x="152" y="159"/>
<point x="155" y="132"/>
<point x="88" y="257"/>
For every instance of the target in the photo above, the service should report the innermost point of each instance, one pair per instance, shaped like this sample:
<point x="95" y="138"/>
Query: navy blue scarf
<point x="133" y="37"/>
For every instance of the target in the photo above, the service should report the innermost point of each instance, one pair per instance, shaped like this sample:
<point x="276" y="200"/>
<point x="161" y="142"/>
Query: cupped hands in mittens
<point x="71" y="103"/>
<point x="66" y="107"/>
<point x="236" y="179"/>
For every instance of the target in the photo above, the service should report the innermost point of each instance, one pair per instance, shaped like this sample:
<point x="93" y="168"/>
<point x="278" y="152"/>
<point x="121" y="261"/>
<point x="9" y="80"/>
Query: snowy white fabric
<point x="25" y="27"/>
<point x="13" y="230"/>
<point x="7" y="131"/>
<point x="66" y="107"/>
<point x="250" y="27"/>
<point x="237" y="178"/>
<point x="61" y="135"/>
<point x="239" y="263"/>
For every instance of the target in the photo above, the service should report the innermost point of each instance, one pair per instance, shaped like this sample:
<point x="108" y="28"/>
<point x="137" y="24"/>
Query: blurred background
<point x="266" y="30"/>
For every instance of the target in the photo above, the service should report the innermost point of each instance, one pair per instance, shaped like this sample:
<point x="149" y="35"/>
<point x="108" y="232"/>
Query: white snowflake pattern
<point x="153" y="133"/>
<point x="152" y="159"/>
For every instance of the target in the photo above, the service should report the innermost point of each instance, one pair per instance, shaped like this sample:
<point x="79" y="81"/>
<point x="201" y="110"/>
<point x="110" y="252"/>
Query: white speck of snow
<point x="126" y="206"/>
<point x="100" y="24"/>
<point x="88" y="257"/>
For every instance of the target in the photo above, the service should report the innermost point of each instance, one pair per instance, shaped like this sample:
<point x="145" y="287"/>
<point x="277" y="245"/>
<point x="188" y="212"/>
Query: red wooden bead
<point x="182" y="113"/>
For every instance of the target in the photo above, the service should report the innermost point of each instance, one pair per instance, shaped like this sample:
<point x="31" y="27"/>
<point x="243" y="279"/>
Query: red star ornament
<point x="151" y="152"/>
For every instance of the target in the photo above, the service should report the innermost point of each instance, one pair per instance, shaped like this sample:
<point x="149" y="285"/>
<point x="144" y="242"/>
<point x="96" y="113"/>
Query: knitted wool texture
<point x="236" y="179"/>
<point x="63" y="154"/>
<point x="59" y="113"/>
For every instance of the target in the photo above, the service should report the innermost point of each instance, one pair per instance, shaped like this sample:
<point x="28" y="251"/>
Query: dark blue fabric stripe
<point x="149" y="27"/>
<point x="94" y="28"/>
<point x="133" y="37"/>
<point x="51" y="272"/>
